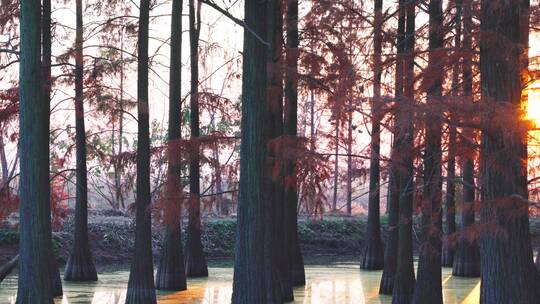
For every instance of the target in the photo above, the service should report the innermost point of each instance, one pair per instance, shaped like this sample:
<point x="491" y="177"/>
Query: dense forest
<point x="416" y="120"/>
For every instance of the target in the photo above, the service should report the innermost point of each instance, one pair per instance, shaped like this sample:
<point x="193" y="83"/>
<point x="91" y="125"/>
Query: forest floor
<point x="112" y="237"/>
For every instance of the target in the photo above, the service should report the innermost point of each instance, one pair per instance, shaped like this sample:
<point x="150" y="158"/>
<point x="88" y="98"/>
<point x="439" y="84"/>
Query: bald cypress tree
<point x="507" y="269"/>
<point x="404" y="280"/>
<point x="447" y="259"/>
<point x="195" y="259"/>
<point x="141" y="275"/>
<point x="391" y="250"/>
<point x="46" y="64"/>
<point x="428" y="287"/>
<point x="372" y="257"/>
<point x="256" y="269"/>
<point x="34" y="284"/>
<point x="80" y="264"/>
<point x="297" y="273"/>
<point x="467" y="254"/>
<point x="171" y="274"/>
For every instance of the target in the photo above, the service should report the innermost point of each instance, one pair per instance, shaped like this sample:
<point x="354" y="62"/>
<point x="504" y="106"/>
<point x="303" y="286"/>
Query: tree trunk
<point x="3" y="161"/>
<point x="372" y="257"/>
<point x="141" y="275"/>
<point x="117" y="165"/>
<point x="404" y="280"/>
<point x="256" y="271"/>
<point x="391" y="250"/>
<point x="336" y="169"/>
<point x="467" y="254"/>
<point x="171" y="274"/>
<point x="428" y="287"/>
<point x="507" y="269"/>
<point x="195" y="259"/>
<point x="8" y="267"/>
<point x="80" y="264"/>
<point x="450" y="198"/>
<point x="297" y="272"/>
<point x="35" y="248"/>
<point x="280" y="236"/>
<point x="46" y="42"/>
<point x="349" y="159"/>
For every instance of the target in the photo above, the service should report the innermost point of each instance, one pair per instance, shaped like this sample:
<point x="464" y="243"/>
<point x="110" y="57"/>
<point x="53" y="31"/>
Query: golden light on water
<point x="339" y="283"/>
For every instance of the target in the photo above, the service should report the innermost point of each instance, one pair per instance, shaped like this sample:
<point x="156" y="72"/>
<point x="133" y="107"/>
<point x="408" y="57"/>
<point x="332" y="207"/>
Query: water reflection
<point x="338" y="284"/>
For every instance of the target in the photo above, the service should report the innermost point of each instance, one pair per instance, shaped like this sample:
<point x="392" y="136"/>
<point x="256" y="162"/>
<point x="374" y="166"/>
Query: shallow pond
<point x="338" y="283"/>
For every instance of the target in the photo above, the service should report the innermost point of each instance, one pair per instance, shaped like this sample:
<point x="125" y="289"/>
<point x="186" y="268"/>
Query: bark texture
<point x="507" y="270"/>
<point x="80" y="264"/>
<point x="171" y="274"/>
<point x="372" y="255"/>
<point x="428" y="287"/>
<point x="296" y="262"/>
<point x="404" y="280"/>
<point x="194" y="254"/>
<point x="141" y="276"/>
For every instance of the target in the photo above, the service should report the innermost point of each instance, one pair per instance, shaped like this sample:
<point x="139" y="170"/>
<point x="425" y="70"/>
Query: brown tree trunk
<point x="428" y="287"/>
<point x="391" y="250"/>
<point x="372" y="257"/>
<point x="35" y="271"/>
<point x="507" y="269"/>
<point x="297" y="273"/>
<point x="171" y="274"/>
<point x="257" y="262"/>
<point x="194" y="253"/>
<point x="450" y="197"/>
<point x="141" y="276"/>
<point x="46" y="53"/>
<point x="467" y="254"/>
<point x="80" y="264"/>
<point x="336" y="168"/>
<point x="404" y="279"/>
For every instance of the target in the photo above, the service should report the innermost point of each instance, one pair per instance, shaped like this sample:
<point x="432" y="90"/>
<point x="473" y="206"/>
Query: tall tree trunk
<point x="372" y="257"/>
<point x="141" y="275"/>
<point x="117" y="165"/>
<point x="46" y="63"/>
<point x="297" y="272"/>
<point x="349" y="158"/>
<point x="171" y="274"/>
<point x="467" y="255"/>
<point x="391" y="250"/>
<point x="428" y="287"/>
<point x="280" y="236"/>
<point x="3" y="161"/>
<point x="507" y="269"/>
<point x="336" y="168"/>
<point x="404" y="280"/>
<point x="450" y="197"/>
<point x="195" y="259"/>
<point x="80" y="264"/>
<point x="256" y="271"/>
<point x="35" y="248"/>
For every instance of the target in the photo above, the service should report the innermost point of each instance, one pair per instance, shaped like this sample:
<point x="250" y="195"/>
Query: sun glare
<point x="533" y="104"/>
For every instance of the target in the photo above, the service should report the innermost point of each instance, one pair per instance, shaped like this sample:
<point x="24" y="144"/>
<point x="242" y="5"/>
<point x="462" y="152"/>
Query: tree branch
<point x="235" y="20"/>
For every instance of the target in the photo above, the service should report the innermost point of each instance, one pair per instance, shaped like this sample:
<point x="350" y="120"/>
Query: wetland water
<point x="328" y="283"/>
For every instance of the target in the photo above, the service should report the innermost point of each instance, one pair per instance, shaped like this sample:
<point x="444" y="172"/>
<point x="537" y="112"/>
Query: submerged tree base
<point x="467" y="261"/>
<point x="447" y="259"/>
<point x="387" y="284"/>
<point x="80" y="267"/>
<point x="372" y="257"/>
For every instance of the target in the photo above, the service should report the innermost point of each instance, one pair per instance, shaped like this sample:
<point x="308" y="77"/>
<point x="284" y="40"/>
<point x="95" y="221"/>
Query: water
<point x="339" y="283"/>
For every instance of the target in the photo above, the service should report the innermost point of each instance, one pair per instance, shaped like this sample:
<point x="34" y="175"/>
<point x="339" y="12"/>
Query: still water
<point x="338" y="283"/>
